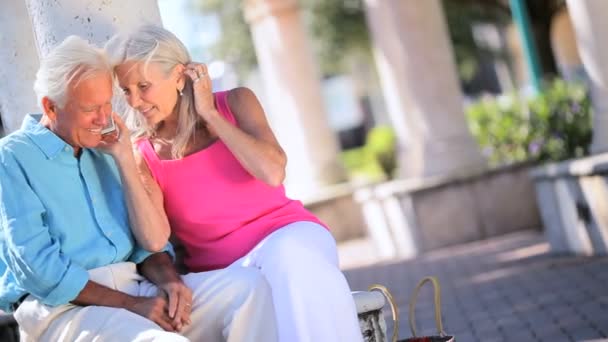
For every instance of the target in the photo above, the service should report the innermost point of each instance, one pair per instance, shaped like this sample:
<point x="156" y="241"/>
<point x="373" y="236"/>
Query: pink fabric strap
<point x="221" y="103"/>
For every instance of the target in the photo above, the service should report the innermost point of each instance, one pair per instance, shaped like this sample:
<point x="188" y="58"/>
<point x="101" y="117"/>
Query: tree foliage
<point x="554" y="126"/>
<point x="338" y="29"/>
<point x="460" y="16"/>
<point x="236" y="45"/>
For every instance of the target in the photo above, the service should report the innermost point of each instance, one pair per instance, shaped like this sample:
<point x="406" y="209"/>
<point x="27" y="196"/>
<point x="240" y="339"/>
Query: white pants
<point x="228" y="305"/>
<point x="311" y="297"/>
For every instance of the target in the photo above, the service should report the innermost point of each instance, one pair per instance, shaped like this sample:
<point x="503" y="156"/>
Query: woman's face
<point x="149" y="90"/>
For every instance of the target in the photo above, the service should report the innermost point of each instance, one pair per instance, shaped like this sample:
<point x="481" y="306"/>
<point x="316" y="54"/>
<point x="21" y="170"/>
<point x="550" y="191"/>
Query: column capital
<point x="259" y="9"/>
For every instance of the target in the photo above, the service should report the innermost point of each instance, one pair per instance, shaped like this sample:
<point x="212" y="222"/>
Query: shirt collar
<point x="50" y="143"/>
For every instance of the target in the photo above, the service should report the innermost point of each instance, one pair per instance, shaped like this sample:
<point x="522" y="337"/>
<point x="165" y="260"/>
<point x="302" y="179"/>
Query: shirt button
<point x="67" y="149"/>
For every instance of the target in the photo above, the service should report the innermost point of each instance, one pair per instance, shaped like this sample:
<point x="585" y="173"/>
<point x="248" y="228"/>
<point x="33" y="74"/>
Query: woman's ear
<point x="180" y="77"/>
<point x="49" y="108"/>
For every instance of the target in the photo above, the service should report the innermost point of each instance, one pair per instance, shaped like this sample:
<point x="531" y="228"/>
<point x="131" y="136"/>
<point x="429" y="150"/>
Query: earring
<point x="181" y="93"/>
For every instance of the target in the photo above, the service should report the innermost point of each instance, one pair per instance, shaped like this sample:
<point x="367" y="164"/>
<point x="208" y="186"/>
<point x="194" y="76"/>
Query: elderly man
<point x="71" y="203"/>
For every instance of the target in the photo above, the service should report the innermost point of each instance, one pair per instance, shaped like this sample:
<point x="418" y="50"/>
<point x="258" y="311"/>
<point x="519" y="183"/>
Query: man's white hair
<point x="67" y="64"/>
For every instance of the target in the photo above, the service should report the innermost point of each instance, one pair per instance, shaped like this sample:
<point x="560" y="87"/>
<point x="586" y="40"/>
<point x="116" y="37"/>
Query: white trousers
<point x="228" y="305"/>
<point x="311" y="297"/>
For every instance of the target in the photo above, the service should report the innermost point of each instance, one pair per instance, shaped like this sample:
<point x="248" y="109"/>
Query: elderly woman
<point x="214" y="165"/>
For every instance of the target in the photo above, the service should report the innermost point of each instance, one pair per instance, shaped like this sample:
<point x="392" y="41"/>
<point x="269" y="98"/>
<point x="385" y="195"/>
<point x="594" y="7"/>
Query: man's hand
<point x="154" y="309"/>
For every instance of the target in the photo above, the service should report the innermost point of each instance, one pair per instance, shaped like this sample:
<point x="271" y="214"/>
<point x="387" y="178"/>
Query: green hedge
<point x="553" y="126"/>
<point x="376" y="160"/>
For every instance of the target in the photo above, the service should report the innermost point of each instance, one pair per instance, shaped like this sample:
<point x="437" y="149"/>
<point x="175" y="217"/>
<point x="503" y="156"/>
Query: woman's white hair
<point x="70" y="62"/>
<point x="153" y="44"/>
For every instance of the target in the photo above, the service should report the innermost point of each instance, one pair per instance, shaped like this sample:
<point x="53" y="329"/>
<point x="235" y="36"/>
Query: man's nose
<point x="103" y="116"/>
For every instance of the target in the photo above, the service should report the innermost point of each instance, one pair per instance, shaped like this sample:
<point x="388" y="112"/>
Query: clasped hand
<point x="170" y="309"/>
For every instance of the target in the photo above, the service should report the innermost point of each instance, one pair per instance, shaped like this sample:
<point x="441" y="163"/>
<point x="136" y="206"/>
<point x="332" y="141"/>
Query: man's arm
<point x="153" y="308"/>
<point x="35" y="259"/>
<point x="158" y="268"/>
<point x="27" y="248"/>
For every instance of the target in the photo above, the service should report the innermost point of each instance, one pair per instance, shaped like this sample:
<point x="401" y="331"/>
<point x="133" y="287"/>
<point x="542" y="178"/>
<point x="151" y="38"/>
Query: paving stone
<point x="571" y="322"/>
<point x="520" y="335"/>
<point x="543" y="298"/>
<point x="560" y="310"/>
<point x="558" y="337"/>
<point x="600" y="323"/>
<point x="583" y="333"/>
<point x="490" y="336"/>
<point x="547" y="330"/>
<point x="466" y="336"/>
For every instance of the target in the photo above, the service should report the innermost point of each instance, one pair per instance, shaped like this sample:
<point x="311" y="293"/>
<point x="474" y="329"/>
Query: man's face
<point x="86" y="111"/>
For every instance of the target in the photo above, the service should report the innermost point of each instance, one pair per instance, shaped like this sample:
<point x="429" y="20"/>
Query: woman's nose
<point x="134" y="100"/>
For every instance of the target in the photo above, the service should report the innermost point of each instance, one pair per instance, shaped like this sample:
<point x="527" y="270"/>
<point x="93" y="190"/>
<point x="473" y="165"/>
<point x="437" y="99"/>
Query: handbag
<point x="441" y="337"/>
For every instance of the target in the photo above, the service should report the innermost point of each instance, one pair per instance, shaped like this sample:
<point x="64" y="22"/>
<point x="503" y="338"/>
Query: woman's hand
<point x="158" y="268"/>
<point x="179" y="297"/>
<point x="201" y="86"/>
<point x="117" y="143"/>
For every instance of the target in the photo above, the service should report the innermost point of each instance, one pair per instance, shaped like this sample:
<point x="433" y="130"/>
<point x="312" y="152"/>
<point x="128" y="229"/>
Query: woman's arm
<point x="149" y="223"/>
<point x="155" y="195"/>
<point x="253" y="143"/>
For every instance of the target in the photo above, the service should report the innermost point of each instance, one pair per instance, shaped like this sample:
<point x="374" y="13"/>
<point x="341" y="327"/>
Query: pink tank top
<point x="217" y="209"/>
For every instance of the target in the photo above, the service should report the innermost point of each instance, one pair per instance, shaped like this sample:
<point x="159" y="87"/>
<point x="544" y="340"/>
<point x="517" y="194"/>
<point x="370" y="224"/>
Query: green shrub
<point x="360" y="164"/>
<point x="381" y="142"/>
<point x="554" y="126"/>
<point x="376" y="160"/>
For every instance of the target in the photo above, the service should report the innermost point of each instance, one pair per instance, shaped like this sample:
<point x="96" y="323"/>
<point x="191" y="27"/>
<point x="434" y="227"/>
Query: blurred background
<point x="415" y="129"/>
<point x="409" y="125"/>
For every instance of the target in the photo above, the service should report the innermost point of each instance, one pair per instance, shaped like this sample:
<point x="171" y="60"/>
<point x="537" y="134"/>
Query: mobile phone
<point x="110" y="127"/>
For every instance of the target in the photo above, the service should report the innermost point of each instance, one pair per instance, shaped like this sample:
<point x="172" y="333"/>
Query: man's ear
<point x="50" y="108"/>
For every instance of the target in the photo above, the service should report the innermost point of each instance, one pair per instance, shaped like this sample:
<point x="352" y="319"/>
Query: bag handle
<point x="394" y="308"/>
<point x="437" y="299"/>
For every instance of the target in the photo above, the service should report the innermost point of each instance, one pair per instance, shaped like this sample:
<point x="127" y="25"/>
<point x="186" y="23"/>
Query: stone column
<point x="95" y="20"/>
<point x="294" y="95"/>
<point x="418" y="76"/>
<point x="563" y="43"/>
<point x="591" y="29"/>
<point x="19" y="61"/>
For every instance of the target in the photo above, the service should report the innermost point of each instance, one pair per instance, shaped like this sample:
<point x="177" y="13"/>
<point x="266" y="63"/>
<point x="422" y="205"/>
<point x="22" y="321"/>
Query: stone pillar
<point x="19" y="61"/>
<point x="418" y="76"/>
<point x="563" y="44"/>
<point x="294" y="95"/>
<point x="95" y="20"/>
<point x="591" y="29"/>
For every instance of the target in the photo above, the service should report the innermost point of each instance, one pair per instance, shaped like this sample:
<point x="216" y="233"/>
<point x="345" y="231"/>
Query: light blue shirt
<point x="59" y="216"/>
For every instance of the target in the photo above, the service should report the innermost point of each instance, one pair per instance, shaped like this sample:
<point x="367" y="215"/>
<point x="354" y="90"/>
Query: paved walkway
<point x="504" y="289"/>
